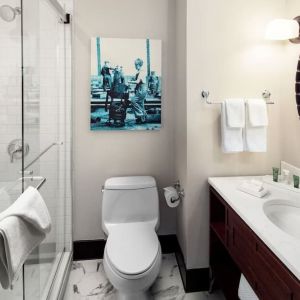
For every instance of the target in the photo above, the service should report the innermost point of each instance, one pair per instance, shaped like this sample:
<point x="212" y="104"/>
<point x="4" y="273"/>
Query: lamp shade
<point x="282" y="29"/>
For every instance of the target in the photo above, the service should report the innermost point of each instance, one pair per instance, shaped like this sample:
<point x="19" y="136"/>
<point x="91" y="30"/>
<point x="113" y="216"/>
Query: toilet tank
<point x="130" y="199"/>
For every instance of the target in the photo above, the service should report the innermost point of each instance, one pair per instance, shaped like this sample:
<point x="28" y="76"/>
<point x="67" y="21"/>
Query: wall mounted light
<point x="285" y="29"/>
<point x="282" y="29"/>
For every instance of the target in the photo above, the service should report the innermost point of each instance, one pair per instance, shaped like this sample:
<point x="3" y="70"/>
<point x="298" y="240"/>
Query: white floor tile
<point x="88" y="281"/>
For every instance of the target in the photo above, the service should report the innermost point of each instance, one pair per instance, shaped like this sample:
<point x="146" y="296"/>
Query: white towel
<point x="257" y="110"/>
<point x="245" y="290"/>
<point x="235" y="113"/>
<point x="232" y="138"/>
<point x="258" y="183"/>
<point x="252" y="189"/>
<point x="251" y="186"/>
<point x="23" y="226"/>
<point x="256" y="126"/>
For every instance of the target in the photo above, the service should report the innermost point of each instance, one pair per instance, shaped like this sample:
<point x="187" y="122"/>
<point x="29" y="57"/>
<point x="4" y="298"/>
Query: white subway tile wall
<point x="10" y="93"/>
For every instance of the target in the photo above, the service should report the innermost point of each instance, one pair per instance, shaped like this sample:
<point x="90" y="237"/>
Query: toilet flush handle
<point x="102" y="189"/>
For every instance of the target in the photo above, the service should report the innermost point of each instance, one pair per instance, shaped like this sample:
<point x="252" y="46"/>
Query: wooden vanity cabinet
<point x="236" y="249"/>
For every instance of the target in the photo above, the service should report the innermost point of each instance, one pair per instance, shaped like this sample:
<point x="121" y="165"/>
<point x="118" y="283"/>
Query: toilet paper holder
<point x="180" y="192"/>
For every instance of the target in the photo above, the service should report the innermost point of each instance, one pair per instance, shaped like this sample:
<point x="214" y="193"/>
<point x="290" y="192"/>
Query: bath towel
<point x="235" y="113"/>
<point x="256" y="125"/>
<point x="232" y="138"/>
<point x="23" y="226"/>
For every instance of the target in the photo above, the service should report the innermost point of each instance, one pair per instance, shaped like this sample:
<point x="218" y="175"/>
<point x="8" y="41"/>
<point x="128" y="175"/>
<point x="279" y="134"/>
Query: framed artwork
<point x="126" y="84"/>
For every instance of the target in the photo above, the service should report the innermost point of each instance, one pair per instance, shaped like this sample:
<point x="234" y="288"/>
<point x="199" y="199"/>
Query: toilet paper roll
<point x="171" y="196"/>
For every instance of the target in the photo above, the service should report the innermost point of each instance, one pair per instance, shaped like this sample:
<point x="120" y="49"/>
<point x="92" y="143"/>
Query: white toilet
<point x="130" y="218"/>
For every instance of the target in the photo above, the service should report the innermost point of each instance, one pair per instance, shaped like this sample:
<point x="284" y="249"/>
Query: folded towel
<point x="23" y="226"/>
<point x="245" y="291"/>
<point x="235" y="113"/>
<point x="255" y="136"/>
<point x="232" y="138"/>
<point x="258" y="183"/>
<point x="253" y="187"/>
<point x="257" y="110"/>
<point x="253" y="190"/>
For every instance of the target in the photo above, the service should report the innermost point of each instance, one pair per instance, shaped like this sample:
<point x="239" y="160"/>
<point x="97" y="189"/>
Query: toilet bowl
<point x="130" y="217"/>
<point x="132" y="259"/>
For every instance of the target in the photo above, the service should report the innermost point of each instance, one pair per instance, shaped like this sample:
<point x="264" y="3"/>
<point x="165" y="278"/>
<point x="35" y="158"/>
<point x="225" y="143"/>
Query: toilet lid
<point x="132" y="248"/>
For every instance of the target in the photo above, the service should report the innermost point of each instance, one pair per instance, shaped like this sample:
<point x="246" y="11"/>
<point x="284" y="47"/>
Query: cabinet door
<point x="242" y="247"/>
<point x="271" y="274"/>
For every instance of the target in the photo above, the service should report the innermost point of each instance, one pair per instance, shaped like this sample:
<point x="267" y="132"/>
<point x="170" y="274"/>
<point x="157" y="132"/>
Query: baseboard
<point x="168" y="243"/>
<point x="88" y="249"/>
<point x="194" y="280"/>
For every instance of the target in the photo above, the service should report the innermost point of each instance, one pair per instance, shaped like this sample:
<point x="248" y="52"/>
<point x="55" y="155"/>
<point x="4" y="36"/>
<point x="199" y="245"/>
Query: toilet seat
<point x="132" y="249"/>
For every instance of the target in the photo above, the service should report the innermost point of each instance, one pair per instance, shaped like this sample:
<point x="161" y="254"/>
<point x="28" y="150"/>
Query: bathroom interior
<point x="204" y="205"/>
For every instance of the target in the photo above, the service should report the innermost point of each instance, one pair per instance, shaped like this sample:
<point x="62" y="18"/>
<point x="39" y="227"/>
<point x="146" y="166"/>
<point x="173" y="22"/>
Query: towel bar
<point x="34" y="178"/>
<point x="265" y="94"/>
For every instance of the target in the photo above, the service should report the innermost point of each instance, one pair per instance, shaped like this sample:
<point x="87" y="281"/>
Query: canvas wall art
<point x="126" y="84"/>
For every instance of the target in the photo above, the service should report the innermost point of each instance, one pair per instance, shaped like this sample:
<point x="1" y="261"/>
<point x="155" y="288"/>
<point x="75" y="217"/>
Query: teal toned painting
<point x="126" y="84"/>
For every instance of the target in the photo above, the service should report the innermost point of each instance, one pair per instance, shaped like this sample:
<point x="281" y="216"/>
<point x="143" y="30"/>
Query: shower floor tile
<point x="88" y="281"/>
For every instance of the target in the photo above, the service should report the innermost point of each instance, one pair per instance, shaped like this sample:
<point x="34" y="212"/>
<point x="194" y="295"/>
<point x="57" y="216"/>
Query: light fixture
<point x="283" y="29"/>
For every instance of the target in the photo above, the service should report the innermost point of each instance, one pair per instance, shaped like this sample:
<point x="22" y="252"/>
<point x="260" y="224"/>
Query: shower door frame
<point x="55" y="287"/>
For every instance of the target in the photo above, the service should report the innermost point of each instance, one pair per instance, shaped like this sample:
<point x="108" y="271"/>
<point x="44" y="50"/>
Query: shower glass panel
<point x="10" y="116"/>
<point x="35" y="130"/>
<point x="44" y="97"/>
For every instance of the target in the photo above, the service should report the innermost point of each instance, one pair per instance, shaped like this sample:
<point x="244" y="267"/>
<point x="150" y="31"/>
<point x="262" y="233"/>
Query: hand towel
<point x="232" y="138"/>
<point x="245" y="291"/>
<point x="235" y="113"/>
<point x="258" y="183"/>
<point x="256" y="130"/>
<point x="252" y="189"/>
<point x="23" y="226"/>
<point x="258" y="115"/>
<point x="249" y="185"/>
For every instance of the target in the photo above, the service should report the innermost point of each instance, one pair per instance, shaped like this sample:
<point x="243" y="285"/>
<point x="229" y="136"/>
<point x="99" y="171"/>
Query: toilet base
<point x="132" y="289"/>
<point x="136" y="296"/>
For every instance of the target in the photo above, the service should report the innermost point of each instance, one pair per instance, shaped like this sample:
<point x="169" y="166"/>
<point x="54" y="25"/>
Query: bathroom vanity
<point x="244" y="240"/>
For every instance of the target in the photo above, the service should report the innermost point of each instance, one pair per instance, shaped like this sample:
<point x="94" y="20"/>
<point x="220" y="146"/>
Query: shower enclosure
<point x="35" y="131"/>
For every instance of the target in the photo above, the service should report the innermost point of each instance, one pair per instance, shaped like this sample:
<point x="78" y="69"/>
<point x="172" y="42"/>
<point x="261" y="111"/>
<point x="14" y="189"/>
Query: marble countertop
<point x="250" y="209"/>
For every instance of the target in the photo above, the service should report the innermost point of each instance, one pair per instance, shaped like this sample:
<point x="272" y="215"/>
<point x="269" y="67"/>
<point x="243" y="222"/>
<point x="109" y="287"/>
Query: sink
<point x="284" y="214"/>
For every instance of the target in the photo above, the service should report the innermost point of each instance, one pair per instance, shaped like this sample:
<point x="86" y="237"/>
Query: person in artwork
<point x="153" y="83"/>
<point x="140" y="92"/>
<point x="118" y="78"/>
<point x="105" y="72"/>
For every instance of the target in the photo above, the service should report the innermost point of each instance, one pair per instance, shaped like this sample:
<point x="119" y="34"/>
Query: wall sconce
<point x="285" y="29"/>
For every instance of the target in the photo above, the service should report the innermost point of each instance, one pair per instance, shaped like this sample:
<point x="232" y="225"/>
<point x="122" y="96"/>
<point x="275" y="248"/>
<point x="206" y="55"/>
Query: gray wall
<point x="99" y="155"/>
<point x="181" y="117"/>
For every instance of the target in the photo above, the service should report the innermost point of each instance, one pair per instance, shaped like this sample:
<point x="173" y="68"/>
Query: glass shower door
<point x="10" y="115"/>
<point x="44" y="92"/>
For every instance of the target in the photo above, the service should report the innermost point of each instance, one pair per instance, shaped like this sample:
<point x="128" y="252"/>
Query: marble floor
<point x="87" y="281"/>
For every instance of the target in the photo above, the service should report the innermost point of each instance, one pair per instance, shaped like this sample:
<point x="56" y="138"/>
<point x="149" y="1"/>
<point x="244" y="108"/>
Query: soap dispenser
<point x="285" y="176"/>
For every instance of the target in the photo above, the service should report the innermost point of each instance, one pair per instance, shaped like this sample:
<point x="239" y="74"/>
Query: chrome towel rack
<point x="35" y="178"/>
<point x="266" y="95"/>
